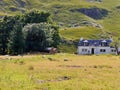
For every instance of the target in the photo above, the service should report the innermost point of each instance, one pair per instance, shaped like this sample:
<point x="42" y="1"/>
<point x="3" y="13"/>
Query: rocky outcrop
<point x="118" y="7"/>
<point x="95" y="13"/>
<point x="13" y="9"/>
<point x="21" y="3"/>
<point x="94" y="0"/>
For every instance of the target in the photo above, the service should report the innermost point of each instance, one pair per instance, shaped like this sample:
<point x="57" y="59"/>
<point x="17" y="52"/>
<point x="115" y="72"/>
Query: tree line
<point x="29" y="32"/>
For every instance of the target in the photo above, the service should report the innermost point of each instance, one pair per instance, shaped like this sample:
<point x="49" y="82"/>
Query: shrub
<point x="30" y="68"/>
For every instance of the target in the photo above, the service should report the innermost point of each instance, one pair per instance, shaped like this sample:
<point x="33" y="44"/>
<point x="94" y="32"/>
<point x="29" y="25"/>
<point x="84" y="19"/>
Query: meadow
<point x="78" y="32"/>
<point x="60" y="72"/>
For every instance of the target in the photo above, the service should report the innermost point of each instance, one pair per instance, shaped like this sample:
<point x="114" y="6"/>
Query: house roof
<point x="85" y="41"/>
<point x="94" y="42"/>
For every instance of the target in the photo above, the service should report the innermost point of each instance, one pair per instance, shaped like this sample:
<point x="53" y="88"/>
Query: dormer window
<point x="103" y="43"/>
<point x="85" y="43"/>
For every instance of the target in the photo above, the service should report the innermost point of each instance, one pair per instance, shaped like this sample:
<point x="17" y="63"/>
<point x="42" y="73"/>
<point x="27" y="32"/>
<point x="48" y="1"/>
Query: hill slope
<point x="99" y="14"/>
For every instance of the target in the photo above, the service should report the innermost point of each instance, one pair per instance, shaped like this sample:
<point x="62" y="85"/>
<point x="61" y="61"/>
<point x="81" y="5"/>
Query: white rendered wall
<point x="107" y="50"/>
<point x="82" y="47"/>
<point x="96" y="50"/>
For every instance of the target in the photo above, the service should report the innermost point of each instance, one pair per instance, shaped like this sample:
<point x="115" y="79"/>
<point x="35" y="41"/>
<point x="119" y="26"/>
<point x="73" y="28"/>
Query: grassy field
<point x="60" y="72"/>
<point x="77" y="33"/>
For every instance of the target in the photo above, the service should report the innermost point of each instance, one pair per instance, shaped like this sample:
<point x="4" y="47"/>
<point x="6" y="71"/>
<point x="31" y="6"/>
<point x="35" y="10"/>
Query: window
<point x="104" y="44"/>
<point x="113" y="50"/>
<point x="84" y="50"/>
<point x="102" y="50"/>
<point x="86" y="44"/>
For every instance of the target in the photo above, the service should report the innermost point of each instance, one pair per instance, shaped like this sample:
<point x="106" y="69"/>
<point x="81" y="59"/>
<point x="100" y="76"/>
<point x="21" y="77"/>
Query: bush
<point x="30" y="68"/>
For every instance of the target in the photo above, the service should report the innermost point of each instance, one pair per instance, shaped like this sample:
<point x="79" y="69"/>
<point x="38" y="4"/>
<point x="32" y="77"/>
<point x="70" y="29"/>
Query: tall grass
<point x="77" y="73"/>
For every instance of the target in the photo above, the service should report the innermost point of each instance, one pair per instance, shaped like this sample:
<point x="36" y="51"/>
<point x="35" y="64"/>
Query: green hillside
<point x="76" y="33"/>
<point x="102" y="16"/>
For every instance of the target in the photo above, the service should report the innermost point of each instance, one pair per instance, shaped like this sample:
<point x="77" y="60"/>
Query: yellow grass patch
<point x="60" y="72"/>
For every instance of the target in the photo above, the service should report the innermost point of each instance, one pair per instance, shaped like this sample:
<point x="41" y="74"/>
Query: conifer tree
<point x="16" y="43"/>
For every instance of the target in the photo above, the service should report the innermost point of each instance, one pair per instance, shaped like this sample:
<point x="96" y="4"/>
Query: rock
<point x="21" y="3"/>
<point x="66" y="78"/>
<point x="40" y="81"/>
<point x="94" y="12"/>
<point x="94" y="0"/>
<point x="65" y="59"/>
<point x="13" y="9"/>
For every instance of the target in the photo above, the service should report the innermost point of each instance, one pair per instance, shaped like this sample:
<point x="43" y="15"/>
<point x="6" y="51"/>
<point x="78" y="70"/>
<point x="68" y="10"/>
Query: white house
<point x="95" y="47"/>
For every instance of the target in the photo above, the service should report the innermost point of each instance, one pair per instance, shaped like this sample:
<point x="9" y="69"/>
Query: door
<point x="92" y="51"/>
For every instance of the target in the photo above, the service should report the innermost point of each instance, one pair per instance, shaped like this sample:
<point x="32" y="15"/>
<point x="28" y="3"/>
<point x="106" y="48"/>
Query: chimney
<point x="81" y="39"/>
<point x="111" y="38"/>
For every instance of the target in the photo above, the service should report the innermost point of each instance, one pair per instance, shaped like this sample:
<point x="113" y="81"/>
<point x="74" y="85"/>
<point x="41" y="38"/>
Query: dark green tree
<point x="6" y="26"/>
<point x="35" y="16"/>
<point x="16" y="42"/>
<point x="56" y="37"/>
<point x="39" y="36"/>
<point x="35" y="38"/>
